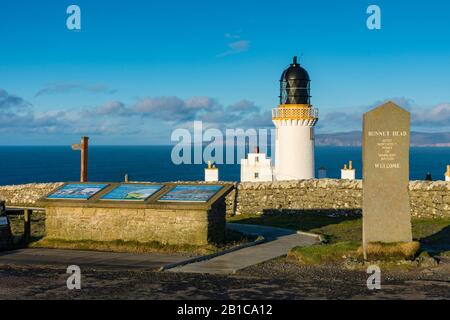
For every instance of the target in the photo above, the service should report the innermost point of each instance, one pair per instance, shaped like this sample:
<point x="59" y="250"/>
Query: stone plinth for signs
<point x="167" y="215"/>
<point x="386" y="206"/>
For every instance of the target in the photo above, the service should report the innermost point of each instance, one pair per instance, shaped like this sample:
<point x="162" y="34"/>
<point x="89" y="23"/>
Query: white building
<point x="256" y="168"/>
<point x="349" y="172"/>
<point x="294" y="120"/>
<point x="211" y="173"/>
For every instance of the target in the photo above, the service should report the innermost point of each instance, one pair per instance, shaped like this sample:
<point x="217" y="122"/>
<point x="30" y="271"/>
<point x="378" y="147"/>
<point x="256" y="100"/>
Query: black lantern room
<point x="294" y="85"/>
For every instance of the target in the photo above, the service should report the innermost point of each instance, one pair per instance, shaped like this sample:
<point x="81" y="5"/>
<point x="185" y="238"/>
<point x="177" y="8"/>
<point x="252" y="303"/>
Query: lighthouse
<point x="294" y="120"/>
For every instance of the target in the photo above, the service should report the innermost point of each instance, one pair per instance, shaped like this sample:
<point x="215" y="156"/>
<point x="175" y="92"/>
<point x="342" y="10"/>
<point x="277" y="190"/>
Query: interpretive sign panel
<point x="75" y="191"/>
<point x="132" y="192"/>
<point x="190" y="193"/>
<point x="3" y="221"/>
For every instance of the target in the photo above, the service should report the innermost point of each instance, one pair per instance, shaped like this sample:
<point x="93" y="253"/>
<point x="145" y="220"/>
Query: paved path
<point x="94" y="259"/>
<point x="279" y="241"/>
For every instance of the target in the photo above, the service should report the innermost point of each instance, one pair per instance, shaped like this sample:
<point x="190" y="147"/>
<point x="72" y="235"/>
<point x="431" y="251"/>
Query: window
<point x="256" y="175"/>
<point x="257" y="159"/>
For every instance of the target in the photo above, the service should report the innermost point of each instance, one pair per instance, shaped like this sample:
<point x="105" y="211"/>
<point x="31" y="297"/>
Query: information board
<point x="190" y="193"/>
<point x="75" y="191"/>
<point x="3" y="221"/>
<point x="131" y="192"/>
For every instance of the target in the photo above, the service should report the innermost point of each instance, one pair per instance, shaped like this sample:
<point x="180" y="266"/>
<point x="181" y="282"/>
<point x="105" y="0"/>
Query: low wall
<point x="194" y="227"/>
<point x="26" y="194"/>
<point x="428" y="199"/>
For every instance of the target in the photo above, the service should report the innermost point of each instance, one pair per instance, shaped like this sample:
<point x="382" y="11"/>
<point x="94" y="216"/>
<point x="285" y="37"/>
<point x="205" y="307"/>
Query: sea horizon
<point x="59" y="163"/>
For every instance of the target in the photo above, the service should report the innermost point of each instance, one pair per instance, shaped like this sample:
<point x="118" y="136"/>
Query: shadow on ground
<point x="438" y="242"/>
<point x="301" y="219"/>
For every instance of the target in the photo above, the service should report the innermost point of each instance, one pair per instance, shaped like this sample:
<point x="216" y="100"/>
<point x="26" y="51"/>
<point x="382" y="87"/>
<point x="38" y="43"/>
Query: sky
<point x="139" y="69"/>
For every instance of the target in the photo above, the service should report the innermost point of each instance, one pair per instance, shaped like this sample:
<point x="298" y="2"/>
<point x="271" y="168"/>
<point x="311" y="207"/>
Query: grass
<point x="343" y="237"/>
<point x="445" y="254"/>
<point x="336" y="229"/>
<point x="387" y="251"/>
<point x="233" y="239"/>
<point x="309" y="222"/>
<point x="323" y="254"/>
<point x="120" y="246"/>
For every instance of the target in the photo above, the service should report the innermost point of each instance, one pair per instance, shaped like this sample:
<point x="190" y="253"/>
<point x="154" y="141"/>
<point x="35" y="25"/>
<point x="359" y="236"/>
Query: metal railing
<point x="309" y="113"/>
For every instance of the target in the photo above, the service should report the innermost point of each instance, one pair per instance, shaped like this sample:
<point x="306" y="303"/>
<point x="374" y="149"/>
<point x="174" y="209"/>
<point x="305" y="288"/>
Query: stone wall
<point x="324" y="195"/>
<point x="430" y="199"/>
<point x="26" y="194"/>
<point x="168" y="226"/>
<point x="427" y="199"/>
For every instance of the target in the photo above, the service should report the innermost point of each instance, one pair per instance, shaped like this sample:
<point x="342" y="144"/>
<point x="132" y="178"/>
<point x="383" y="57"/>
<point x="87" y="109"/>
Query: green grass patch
<point x="332" y="228"/>
<point x="121" y="246"/>
<point x="336" y="229"/>
<point x="303" y="222"/>
<point x="343" y="237"/>
<point x="338" y="253"/>
<point x="445" y="254"/>
<point x="233" y="239"/>
<point x="432" y="231"/>
<point x="324" y="254"/>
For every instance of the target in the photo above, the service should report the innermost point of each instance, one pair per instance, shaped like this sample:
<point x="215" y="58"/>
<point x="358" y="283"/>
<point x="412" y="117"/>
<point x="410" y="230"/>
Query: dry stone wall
<point x="428" y="199"/>
<point x="26" y="194"/>
<point x="178" y="227"/>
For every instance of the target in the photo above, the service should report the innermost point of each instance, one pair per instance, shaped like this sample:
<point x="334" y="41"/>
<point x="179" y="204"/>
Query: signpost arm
<point x="83" y="148"/>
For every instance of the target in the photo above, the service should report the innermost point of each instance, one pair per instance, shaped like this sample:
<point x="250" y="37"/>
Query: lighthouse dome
<point x="295" y="85"/>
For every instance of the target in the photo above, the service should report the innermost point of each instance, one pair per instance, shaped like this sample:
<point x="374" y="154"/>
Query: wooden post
<point x="83" y="147"/>
<point x="2" y="207"/>
<point x="84" y="159"/>
<point x="27" y="225"/>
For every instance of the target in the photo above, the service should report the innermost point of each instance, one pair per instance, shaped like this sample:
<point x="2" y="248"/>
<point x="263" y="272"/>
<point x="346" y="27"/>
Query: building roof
<point x="295" y="72"/>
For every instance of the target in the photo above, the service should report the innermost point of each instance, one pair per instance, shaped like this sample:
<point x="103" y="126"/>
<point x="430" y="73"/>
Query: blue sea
<point x="153" y="163"/>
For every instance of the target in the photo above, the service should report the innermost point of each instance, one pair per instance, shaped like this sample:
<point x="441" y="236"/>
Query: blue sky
<point x="138" y="69"/>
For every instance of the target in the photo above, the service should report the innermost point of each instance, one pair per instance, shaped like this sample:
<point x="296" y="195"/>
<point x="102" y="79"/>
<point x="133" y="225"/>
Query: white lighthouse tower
<point x="294" y="120"/>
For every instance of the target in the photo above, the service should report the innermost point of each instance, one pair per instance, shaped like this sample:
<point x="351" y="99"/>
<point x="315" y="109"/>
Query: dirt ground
<point x="277" y="279"/>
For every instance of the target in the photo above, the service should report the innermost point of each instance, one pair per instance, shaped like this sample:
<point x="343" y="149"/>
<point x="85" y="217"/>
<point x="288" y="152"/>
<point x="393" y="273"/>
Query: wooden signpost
<point x="83" y="147"/>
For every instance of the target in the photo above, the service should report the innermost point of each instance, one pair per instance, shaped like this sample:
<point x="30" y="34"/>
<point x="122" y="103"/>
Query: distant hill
<point x="353" y="138"/>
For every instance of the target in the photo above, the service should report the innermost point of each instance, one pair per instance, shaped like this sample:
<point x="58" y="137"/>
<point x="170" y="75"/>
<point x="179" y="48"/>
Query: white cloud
<point x="435" y="116"/>
<point x="10" y="101"/>
<point x="64" y="88"/>
<point x="235" y="47"/>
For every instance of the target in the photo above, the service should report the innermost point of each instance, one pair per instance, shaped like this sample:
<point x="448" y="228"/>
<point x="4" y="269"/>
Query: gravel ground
<point x="276" y="279"/>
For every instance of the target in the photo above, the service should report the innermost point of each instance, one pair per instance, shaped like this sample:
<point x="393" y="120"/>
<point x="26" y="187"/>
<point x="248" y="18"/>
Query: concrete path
<point x="279" y="241"/>
<point x="93" y="259"/>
